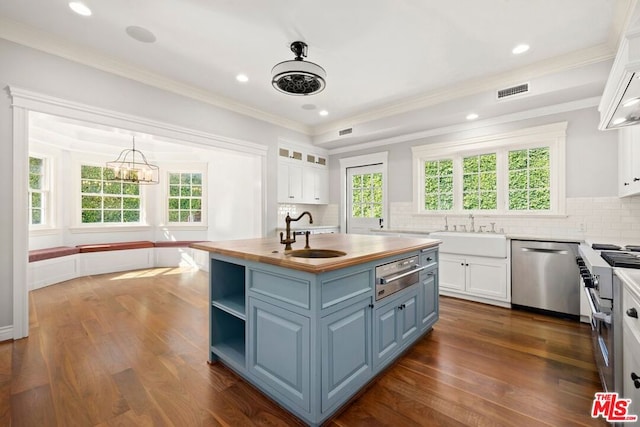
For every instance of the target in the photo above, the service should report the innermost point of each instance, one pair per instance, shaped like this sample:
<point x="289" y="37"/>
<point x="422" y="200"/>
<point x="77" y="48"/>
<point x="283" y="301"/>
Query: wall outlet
<point x="582" y="227"/>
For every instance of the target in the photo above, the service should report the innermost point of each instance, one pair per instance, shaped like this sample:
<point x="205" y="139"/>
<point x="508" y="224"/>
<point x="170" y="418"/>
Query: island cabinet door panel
<point x="279" y="346"/>
<point x="386" y="336"/>
<point x="409" y="321"/>
<point x="346" y="352"/>
<point x="429" y="299"/>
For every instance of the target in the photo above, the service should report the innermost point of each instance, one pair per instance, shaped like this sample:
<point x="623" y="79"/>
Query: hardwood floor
<point x="129" y="349"/>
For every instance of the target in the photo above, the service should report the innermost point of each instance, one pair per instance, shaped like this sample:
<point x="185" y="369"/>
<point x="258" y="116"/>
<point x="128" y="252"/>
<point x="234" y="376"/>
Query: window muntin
<point x="104" y="199"/>
<point x="480" y="182"/>
<point x="38" y="191"/>
<point x="530" y="179"/>
<point x="184" y="201"/>
<point x="438" y="185"/>
<point x="366" y="195"/>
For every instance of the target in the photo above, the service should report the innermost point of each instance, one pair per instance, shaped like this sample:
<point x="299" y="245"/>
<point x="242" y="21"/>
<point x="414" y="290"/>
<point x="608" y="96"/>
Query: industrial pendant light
<point x="132" y="166"/>
<point x="298" y="77"/>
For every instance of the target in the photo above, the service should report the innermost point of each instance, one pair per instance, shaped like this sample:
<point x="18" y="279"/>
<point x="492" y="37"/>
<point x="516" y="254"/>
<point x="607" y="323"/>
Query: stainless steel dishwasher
<point x="544" y="276"/>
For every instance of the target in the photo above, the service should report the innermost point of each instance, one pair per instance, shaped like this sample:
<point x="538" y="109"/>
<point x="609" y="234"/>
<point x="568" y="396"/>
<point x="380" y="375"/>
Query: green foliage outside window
<point x="36" y="191"/>
<point x="480" y="182"/>
<point x="438" y="185"/>
<point x="529" y="179"/>
<point x="366" y="195"/>
<point x="104" y="199"/>
<point x="185" y="197"/>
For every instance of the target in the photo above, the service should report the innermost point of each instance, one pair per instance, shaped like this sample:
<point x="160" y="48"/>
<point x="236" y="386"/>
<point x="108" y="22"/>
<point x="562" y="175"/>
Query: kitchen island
<point x="309" y="332"/>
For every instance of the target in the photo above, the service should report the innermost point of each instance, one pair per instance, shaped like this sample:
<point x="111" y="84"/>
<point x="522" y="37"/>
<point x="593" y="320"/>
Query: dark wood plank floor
<point x="129" y="349"/>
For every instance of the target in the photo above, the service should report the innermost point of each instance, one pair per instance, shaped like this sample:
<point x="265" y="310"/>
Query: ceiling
<point x="383" y="58"/>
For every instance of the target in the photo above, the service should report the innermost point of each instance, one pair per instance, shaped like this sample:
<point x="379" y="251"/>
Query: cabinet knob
<point x="625" y="184"/>
<point x="462" y="264"/>
<point x="429" y="259"/>
<point x="467" y="265"/>
<point x="636" y="380"/>
<point x="636" y="179"/>
<point x="370" y="305"/>
<point x="632" y="312"/>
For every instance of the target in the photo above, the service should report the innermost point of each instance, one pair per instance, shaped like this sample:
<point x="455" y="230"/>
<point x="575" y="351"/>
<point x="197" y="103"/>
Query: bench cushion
<point x="175" y="244"/>
<point x="48" y="253"/>
<point x="118" y="246"/>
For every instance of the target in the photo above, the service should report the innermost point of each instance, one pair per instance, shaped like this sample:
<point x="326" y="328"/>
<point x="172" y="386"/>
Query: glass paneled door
<point x="366" y="199"/>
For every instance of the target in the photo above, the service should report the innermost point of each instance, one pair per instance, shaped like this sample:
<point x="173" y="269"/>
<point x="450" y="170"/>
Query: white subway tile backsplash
<point x="586" y="216"/>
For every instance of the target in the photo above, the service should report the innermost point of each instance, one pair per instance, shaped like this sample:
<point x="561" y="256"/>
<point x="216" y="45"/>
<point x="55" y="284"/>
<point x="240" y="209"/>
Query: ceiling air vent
<point x="513" y="90"/>
<point x="344" y="132"/>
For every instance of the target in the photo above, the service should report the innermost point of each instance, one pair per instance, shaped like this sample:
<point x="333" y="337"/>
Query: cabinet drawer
<point x="429" y="258"/>
<point x="631" y="367"/>
<point x="631" y="303"/>
<point x="284" y="288"/>
<point x="337" y="288"/>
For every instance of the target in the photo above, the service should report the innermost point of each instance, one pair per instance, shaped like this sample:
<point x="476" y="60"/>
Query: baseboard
<point x="6" y="333"/>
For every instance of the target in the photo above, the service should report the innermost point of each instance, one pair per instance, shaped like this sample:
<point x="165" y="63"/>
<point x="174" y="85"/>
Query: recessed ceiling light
<point x="631" y="102"/>
<point x="242" y="78"/>
<point x="619" y="120"/>
<point x="521" y="48"/>
<point x="323" y="112"/>
<point x="141" y="34"/>
<point x="472" y="116"/>
<point x="80" y="8"/>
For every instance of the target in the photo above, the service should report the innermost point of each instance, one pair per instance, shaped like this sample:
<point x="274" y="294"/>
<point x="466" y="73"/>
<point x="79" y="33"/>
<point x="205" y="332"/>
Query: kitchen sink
<point x="468" y="243"/>
<point x="316" y="253"/>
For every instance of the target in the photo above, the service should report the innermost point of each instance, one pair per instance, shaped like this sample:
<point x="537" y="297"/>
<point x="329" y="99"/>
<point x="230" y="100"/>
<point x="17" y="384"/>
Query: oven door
<point x="602" y="337"/>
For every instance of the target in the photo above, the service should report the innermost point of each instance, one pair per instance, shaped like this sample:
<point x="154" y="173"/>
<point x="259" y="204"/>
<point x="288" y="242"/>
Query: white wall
<point x="591" y="169"/>
<point x="30" y="69"/>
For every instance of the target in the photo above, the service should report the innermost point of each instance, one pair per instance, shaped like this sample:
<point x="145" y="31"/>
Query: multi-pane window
<point x="185" y="197"/>
<point x="105" y="199"/>
<point x="479" y="182"/>
<point x="438" y="185"/>
<point x="38" y="189"/>
<point x="366" y="195"/>
<point x="529" y="179"/>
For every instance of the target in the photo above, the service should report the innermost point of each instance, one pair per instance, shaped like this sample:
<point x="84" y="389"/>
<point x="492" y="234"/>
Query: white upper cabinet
<point x="629" y="161"/>
<point x="303" y="177"/>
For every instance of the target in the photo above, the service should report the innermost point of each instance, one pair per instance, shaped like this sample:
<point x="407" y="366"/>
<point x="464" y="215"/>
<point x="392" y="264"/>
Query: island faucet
<point x="289" y="240"/>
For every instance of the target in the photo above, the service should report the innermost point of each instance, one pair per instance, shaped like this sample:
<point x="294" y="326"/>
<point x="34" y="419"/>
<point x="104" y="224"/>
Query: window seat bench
<point x="48" y="266"/>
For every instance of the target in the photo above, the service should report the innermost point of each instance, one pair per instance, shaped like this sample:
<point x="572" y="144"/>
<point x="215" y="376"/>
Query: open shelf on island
<point x="228" y="337"/>
<point x="228" y="287"/>
<point x="232" y="304"/>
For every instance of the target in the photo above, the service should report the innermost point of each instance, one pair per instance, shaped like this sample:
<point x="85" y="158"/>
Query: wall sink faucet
<point x="289" y="240"/>
<point x="472" y="225"/>
<point x="446" y="224"/>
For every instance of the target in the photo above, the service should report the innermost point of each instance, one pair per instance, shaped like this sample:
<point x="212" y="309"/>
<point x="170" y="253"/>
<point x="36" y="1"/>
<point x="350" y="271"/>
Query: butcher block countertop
<point x="359" y="248"/>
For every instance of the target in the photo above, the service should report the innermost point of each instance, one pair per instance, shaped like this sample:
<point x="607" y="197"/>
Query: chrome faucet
<point x="472" y="226"/>
<point x="289" y="240"/>
<point x="446" y="224"/>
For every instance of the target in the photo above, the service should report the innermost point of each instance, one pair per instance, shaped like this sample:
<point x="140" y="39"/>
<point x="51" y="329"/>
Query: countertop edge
<point x="627" y="276"/>
<point x="331" y="265"/>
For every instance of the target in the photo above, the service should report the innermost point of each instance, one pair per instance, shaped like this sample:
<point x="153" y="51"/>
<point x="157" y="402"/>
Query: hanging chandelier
<point x="132" y="166"/>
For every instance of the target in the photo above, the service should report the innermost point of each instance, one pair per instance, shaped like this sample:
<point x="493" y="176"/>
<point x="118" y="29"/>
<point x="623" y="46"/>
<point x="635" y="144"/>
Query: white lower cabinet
<point x="631" y="348"/>
<point x="475" y="277"/>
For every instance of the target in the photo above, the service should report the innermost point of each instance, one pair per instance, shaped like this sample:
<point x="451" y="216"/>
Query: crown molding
<point x="576" y="59"/>
<point x="506" y="118"/>
<point x="45" y="42"/>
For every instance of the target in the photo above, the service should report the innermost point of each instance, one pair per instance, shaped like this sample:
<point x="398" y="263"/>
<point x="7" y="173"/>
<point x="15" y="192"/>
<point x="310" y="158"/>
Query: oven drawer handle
<point x="384" y="280"/>
<point x="598" y="315"/>
<point x="632" y="312"/>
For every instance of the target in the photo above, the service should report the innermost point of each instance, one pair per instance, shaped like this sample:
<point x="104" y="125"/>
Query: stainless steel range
<point x="596" y="263"/>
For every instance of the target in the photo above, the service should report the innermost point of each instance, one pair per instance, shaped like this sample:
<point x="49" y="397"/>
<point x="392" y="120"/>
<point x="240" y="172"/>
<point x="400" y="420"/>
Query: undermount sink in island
<point x="309" y="332"/>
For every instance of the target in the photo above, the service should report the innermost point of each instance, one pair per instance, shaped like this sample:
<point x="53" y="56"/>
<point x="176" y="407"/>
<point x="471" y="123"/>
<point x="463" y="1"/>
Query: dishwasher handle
<point x="385" y="280"/>
<point x="546" y="251"/>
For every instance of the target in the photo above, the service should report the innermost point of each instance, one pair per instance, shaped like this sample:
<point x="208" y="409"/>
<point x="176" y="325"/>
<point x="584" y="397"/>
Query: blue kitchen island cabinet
<point x="309" y="332"/>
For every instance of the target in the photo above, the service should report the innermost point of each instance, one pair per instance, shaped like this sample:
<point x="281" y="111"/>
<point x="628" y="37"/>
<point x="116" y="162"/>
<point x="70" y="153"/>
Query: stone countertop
<point x="359" y="248"/>
<point x="508" y="235"/>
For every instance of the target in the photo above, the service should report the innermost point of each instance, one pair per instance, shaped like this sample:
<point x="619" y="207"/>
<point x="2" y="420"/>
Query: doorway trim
<point x="23" y="101"/>
<point x="356" y="161"/>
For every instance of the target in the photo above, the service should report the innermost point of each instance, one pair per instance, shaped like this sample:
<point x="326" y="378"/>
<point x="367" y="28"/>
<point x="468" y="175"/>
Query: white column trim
<point x="20" y="225"/>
